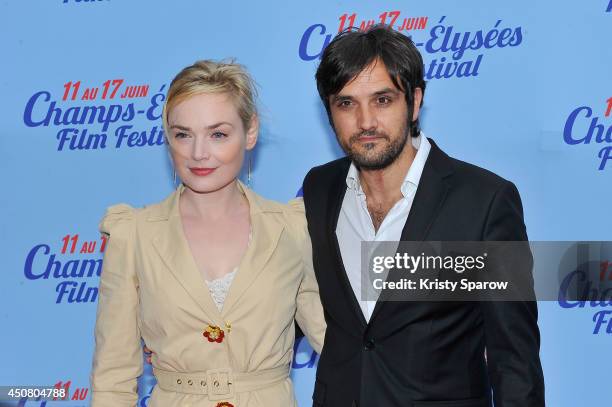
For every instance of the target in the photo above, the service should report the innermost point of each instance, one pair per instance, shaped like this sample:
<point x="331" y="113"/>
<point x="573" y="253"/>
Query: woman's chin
<point x="205" y="186"/>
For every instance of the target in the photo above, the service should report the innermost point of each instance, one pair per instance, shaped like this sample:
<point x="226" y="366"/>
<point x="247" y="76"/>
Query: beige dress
<point x="150" y="287"/>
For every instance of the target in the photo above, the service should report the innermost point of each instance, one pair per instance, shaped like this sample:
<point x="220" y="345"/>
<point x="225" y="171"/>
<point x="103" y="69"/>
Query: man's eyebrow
<point x="386" y="91"/>
<point x="337" y="98"/>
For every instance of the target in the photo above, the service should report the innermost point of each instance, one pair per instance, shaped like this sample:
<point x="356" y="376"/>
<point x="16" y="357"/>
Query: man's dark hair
<point x="351" y="51"/>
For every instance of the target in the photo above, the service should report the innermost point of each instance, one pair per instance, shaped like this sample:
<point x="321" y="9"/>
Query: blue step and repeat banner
<point x="523" y="88"/>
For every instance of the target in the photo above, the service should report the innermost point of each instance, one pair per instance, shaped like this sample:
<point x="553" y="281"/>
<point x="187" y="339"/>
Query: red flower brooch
<point x="215" y="334"/>
<point x="224" y="404"/>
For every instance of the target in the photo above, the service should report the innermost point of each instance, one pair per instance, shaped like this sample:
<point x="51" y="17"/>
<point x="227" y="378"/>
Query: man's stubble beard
<point x="385" y="158"/>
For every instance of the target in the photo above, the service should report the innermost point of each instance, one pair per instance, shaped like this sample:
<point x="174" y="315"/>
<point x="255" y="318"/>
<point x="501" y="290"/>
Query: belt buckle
<point x="220" y="384"/>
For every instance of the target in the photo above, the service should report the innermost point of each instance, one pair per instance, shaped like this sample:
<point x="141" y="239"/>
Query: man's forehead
<point x="372" y="78"/>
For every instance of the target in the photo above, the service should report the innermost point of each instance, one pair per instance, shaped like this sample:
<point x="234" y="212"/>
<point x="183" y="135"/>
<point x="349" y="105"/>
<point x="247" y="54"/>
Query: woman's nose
<point x="201" y="149"/>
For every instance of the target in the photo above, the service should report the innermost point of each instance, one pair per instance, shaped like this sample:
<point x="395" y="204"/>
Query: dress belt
<point x="219" y="383"/>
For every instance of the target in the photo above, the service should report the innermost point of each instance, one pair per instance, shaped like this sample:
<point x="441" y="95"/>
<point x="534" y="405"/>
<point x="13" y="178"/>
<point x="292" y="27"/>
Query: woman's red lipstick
<point x="201" y="171"/>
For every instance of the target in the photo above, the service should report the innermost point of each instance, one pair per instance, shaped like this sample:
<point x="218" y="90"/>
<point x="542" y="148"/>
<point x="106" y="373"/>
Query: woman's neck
<point x="213" y="205"/>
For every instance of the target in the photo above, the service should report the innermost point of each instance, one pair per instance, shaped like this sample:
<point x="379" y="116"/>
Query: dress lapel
<point x="174" y="250"/>
<point x="266" y="232"/>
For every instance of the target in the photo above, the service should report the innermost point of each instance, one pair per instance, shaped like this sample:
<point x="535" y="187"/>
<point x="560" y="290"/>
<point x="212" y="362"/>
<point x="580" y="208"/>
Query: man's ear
<point x="252" y="133"/>
<point x="418" y="98"/>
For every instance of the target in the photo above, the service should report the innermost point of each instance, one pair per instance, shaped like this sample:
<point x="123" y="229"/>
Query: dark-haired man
<point x="395" y="184"/>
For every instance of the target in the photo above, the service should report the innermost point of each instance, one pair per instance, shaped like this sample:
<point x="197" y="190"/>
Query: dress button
<point x="369" y="345"/>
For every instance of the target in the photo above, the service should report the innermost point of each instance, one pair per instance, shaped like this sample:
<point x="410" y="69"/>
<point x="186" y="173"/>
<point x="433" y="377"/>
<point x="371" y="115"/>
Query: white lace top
<point x="219" y="287"/>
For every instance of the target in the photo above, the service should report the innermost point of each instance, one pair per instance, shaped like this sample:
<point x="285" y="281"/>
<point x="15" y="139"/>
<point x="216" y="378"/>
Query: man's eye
<point x="218" y="135"/>
<point x="383" y="100"/>
<point x="344" y="103"/>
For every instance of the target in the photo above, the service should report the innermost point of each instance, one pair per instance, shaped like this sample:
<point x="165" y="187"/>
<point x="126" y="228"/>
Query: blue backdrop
<point x="522" y="88"/>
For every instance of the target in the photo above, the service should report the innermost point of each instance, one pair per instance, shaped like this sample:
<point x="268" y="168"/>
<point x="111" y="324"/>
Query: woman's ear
<point x="252" y="133"/>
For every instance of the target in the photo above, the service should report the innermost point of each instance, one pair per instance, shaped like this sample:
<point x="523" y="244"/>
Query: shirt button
<point x="369" y="345"/>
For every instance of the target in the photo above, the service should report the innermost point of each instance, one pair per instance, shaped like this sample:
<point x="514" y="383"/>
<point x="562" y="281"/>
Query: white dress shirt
<point x="355" y="224"/>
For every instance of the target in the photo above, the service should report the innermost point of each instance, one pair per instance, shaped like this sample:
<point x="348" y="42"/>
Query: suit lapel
<point x="431" y="192"/>
<point x="266" y="232"/>
<point x="338" y="190"/>
<point x="174" y="250"/>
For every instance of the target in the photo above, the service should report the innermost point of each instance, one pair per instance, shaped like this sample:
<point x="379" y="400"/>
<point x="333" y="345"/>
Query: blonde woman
<point x="213" y="277"/>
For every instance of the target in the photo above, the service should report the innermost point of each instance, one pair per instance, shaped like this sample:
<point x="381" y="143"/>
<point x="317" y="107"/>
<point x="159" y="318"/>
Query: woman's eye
<point x="218" y="135"/>
<point x="180" y="135"/>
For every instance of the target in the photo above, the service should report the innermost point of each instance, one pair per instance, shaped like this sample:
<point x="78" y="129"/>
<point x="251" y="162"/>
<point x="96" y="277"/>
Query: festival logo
<point x="74" y="262"/>
<point x="609" y="9"/>
<point x="585" y="126"/>
<point x="146" y="383"/>
<point x="455" y="53"/>
<point x="589" y="285"/>
<point x="98" y="116"/>
<point x="304" y="357"/>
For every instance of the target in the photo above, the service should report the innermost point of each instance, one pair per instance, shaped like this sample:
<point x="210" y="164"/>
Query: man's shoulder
<point x="328" y="171"/>
<point x="332" y="167"/>
<point x="465" y="174"/>
<point x="478" y="176"/>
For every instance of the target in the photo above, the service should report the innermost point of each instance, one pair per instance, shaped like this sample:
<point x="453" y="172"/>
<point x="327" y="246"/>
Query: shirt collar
<point x="413" y="176"/>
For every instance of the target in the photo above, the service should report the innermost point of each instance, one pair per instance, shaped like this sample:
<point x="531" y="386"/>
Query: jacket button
<point x="369" y="345"/>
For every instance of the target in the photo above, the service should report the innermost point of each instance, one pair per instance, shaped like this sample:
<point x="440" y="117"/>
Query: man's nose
<point x="366" y="119"/>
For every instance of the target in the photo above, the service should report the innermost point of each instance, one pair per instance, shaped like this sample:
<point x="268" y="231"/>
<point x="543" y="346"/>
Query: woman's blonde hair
<point x="207" y="76"/>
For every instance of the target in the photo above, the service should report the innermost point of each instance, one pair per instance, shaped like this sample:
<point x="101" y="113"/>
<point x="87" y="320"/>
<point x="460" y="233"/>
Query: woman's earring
<point x="174" y="167"/>
<point x="249" y="171"/>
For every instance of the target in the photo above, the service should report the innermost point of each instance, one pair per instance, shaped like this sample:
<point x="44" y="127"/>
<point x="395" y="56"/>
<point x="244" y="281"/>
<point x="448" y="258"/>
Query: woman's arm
<point x="117" y="359"/>
<point x="309" y="315"/>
